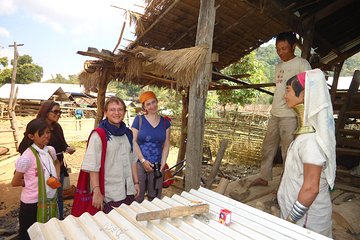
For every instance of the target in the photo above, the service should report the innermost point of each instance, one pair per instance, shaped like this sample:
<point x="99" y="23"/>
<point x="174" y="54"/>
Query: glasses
<point x="57" y="112"/>
<point x="116" y="110"/>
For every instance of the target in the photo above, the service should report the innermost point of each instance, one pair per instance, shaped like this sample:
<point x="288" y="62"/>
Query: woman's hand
<point x="137" y="190"/>
<point x="162" y="167"/>
<point x="98" y="199"/>
<point x="70" y="150"/>
<point x="148" y="166"/>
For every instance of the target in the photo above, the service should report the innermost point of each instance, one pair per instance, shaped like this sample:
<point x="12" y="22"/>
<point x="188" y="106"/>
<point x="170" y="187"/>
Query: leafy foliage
<point x="248" y="64"/>
<point x="72" y="79"/>
<point x="4" y="61"/>
<point x="27" y="71"/>
<point x="350" y="65"/>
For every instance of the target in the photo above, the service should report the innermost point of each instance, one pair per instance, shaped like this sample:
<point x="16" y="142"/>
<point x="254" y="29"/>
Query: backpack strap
<point x="140" y="121"/>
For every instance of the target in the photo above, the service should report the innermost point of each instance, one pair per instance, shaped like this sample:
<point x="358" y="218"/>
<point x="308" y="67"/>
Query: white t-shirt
<point x="118" y="162"/>
<point x="283" y="72"/>
<point x="305" y="149"/>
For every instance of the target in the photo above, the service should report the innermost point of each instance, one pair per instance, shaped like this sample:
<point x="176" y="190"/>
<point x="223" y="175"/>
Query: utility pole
<point x="13" y="97"/>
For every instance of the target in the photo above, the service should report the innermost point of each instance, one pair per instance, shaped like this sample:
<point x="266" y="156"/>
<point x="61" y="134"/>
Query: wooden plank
<point x="347" y="188"/>
<point x="348" y="151"/>
<point x="260" y="191"/>
<point x="180" y="211"/>
<point x="217" y="163"/>
<point x="352" y="132"/>
<point x="174" y="226"/>
<point x="347" y="215"/>
<point x="348" y="142"/>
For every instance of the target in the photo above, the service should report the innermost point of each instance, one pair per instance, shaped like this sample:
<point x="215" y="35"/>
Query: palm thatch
<point x="181" y="64"/>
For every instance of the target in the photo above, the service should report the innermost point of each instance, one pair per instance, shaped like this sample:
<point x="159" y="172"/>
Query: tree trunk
<point x="197" y="97"/>
<point x="102" y="86"/>
<point x="184" y="128"/>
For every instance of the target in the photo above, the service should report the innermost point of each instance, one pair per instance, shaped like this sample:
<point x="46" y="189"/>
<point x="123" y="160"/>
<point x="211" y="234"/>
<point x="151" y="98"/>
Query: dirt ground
<point x="9" y="196"/>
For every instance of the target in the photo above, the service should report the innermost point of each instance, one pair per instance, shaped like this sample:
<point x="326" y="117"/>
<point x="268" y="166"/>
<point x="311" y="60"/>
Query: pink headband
<point x="301" y="78"/>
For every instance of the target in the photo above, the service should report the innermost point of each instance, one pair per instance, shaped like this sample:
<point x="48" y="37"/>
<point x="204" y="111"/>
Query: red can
<point x="225" y="216"/>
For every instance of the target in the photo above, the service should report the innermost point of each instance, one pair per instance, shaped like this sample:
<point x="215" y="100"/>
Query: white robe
<point x="305" y="149"/>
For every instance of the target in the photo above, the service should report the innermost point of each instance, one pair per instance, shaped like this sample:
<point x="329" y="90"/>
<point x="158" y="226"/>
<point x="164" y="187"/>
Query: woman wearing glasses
<point x="50" y="112"/>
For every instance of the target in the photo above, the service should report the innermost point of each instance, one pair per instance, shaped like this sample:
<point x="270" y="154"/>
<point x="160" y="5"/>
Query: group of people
<point x="131" y="157"/>
<point x="301" y="124"/>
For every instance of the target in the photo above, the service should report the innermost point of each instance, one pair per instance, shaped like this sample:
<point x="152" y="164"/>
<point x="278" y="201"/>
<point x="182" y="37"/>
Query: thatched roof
<point x="163" y="53"/>
<point x="242" y="26"/>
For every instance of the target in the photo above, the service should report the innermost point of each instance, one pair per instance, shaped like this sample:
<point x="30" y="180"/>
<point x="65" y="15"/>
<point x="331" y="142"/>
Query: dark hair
<point x="290" y="37"/>
<point x="295" y="84"/>
<point x="114" y="99"/>
<point x="45" y="108"/>
<point x="35" y="125"/>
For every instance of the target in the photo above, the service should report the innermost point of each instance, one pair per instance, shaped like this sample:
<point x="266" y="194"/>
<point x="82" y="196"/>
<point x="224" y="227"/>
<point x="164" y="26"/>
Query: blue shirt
<point x="150" y="139"/>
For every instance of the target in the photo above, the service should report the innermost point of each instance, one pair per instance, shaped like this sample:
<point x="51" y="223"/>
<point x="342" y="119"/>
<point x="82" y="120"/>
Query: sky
<point x="52" y="31"/>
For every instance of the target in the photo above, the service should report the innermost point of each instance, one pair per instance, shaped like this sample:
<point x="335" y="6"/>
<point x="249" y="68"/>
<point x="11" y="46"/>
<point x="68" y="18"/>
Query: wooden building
<point x="180" y="42"/>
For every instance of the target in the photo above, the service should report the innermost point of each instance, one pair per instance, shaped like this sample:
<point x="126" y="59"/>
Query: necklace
<point x="44" y="164"/>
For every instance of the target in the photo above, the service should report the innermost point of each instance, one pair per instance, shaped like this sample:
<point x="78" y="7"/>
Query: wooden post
<point x="217" y="163"/>
<point x="13" y="97"/>
<point x="183" y="129"/>
<point x="334" y="85"/>
<point x="102" y="86"/>
<point x="197" y="97"/>
<point x="309" y="26"/>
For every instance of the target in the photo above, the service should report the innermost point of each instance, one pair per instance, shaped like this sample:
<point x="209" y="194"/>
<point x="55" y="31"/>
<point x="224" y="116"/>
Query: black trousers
<point x="27" y="217"/>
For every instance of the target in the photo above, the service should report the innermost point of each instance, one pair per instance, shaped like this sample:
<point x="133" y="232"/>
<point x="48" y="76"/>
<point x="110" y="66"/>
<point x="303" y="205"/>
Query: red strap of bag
<point x="83" y="196"/>
<point x="83" y="180"/>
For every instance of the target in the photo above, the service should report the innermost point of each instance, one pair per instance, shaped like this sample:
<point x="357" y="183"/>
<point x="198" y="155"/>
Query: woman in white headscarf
<point x="303" y="195"/>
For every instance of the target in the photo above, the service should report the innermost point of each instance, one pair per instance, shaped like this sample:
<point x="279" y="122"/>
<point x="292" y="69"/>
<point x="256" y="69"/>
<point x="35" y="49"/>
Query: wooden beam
<point x="154" y="23"/>
<point x="182" y="36"/>
<point x="179" y="211"/>
<point x="308" y="36"/>
<point x="255" y="86"/>
<point x="323" y="41"/>
<point x="230" y="27"/>
<point x="296" y="6"/>
<point x="197" y="96"/>
<point x="242" y="82"/>
<point x="335" y="81"/>
<point x="345" y="55"/>
<point x="331" y="8"/>
<point x="184" y="128"/>
<point x="219" y="157"/>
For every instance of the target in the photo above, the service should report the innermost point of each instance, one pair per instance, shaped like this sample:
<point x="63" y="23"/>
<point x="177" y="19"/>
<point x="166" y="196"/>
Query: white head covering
<point x="318" y="113"/>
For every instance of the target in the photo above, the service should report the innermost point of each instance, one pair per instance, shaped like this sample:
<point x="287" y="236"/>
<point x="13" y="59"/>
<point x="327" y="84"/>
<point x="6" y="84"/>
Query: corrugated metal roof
<point x="247" y="222"/>
<point x="33" y="92"/>
<point x="68" y="88"/>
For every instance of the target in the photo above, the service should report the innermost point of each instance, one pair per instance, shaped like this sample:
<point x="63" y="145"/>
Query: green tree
<point x="5" y="75"/>
<point x="58" y="78"/>
<point x="269" y="58"/>
<point x="25" y="59"/>
<point x="4" y="61"/>
<point x="350" y="65"/>
<point x="26" y="72"/>
<point x="248" y="64"/>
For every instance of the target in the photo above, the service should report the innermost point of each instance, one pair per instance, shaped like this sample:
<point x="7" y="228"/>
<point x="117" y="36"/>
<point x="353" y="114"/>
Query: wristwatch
<point x="142" y="160"/>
